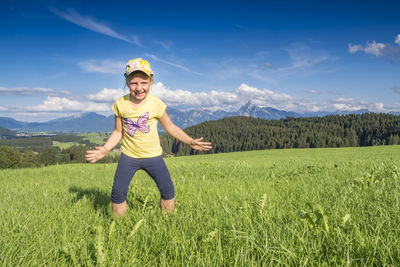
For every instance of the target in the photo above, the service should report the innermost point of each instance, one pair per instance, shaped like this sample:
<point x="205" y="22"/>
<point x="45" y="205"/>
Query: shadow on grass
<point x="100" y="200"/>
<point x="137" y="203"/>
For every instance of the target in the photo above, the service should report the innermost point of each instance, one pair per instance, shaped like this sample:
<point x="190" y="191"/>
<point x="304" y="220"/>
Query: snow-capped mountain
<point x="93" y="122"/>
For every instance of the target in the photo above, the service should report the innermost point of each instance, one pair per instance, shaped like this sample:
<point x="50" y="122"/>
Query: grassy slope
<point x="232" y="209"/>
<point x="96" y="137"/>
<point x="64" y="145"/>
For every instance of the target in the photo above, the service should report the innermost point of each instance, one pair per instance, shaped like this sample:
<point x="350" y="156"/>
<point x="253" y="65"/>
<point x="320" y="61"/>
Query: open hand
<point x="94" y="155"/>
<point x="201" y="146"/>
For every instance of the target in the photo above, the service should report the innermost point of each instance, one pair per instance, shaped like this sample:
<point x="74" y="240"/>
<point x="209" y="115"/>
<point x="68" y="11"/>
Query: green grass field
<point x="301" y="207"/>
<point x="64" y="145"/>
<point x="96" y="137"/>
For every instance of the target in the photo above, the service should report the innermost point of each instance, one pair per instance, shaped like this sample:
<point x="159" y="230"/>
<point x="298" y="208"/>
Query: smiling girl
<point x="136" y="117"/>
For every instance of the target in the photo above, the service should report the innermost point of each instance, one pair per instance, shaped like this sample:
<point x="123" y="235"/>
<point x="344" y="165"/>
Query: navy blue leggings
<point x="128" y="166"/>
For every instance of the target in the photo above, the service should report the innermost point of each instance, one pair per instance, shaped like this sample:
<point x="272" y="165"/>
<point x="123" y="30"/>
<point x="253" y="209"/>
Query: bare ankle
<point x="167" y="205"/>
<point x="119" y="209"/>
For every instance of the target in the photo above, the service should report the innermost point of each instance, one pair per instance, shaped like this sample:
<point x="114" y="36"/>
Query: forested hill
<point x="6" y="133"/>
<point x="246" y="133"/>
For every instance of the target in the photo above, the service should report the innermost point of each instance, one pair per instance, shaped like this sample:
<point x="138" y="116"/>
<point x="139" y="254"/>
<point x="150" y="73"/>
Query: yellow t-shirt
<point x="140" y="136"/>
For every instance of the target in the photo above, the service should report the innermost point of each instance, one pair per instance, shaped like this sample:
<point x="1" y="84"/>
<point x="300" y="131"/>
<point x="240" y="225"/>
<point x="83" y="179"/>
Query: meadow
<point x="297" y="207"/>
<point x="95" y="137"/>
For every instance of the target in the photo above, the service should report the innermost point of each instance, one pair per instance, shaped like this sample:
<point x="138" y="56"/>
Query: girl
<point x="136" y="116"/>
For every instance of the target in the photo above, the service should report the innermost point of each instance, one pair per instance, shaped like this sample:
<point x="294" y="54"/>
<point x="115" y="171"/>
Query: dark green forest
<point x="6" y="133"/>
<point x="49" y="155"/>
<point x="39" y="151"/>
<point x="244" y="133"/>
<point x="38" y="142"/>
<point x="227" y="135"/>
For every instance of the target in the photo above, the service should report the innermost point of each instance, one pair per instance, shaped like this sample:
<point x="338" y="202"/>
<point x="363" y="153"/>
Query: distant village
<point x="25" y="134"/>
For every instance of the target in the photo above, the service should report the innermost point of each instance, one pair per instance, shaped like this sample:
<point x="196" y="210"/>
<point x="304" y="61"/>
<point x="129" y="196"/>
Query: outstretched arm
<point x="177" y="132"/>
<point x="101" y="151"/>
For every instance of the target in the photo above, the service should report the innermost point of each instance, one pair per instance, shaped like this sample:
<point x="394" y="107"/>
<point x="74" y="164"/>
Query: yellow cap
<point x="138" y="64"/>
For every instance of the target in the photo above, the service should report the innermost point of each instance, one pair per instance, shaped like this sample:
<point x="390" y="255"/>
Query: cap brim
<point x="126" y="74"/>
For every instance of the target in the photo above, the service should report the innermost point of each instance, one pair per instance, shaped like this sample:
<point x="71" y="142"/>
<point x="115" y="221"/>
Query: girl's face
<point x="139" y="87"/>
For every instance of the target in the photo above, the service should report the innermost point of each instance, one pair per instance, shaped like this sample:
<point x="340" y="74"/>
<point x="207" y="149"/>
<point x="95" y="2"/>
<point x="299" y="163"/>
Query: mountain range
<point x="93" y="122"/>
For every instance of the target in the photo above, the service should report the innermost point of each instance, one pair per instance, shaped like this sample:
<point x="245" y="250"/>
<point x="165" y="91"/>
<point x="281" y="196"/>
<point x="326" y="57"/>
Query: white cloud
<point x="314" y="109"/>
<point x="247" y="92"/>
<point x="187" y="99"/>
<point x="93" y="25"/>
<point x="30" y="116"/>
<point x="218" y="100"/>
<point x="104" y="66"/>
<point x="232" y="101"/>
<point x="118" y="67"/>
<point x="303" y="57"/>
<point x="61" y="104"/>
<point x="351" y="104"/>
<point x="37" y="115"/>
<point x="172" y="64"/>
<point x="375" y="48"/>
<point x="355" y="48"/>
<point x="304" y="60"/>
<point x="262" y="77"/>
<point x="397" y="40"/>
<point x="183" y="99"/>
<point x="107" y="95"/>
<point x="346" y="107"/>
<point x="321" y="92"/>
<point x="380" y="107"/>
<point x="378" y="49"/>
<point x="166" y="45"/>
<point x="25" y="91"/>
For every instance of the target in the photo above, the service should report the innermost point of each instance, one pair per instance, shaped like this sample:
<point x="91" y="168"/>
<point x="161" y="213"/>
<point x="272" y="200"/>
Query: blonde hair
<point x="140" y="74"/>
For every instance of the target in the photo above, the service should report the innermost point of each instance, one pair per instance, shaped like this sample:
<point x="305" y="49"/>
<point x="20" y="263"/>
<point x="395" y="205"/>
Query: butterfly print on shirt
<point x="140" y="124"/>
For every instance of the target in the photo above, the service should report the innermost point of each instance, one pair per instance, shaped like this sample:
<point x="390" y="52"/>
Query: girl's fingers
<point x="91" y="160"/>
<point x="92" y="152"/>
<point x="202" y="146"/>
<point x="198" y="139"/>
<point x="97" y="150"/>
<point x="205" y="143"/>
<point x="91" y="155"/>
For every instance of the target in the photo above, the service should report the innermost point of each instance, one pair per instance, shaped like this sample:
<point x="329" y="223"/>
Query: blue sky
<point x="60" y="58"/>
